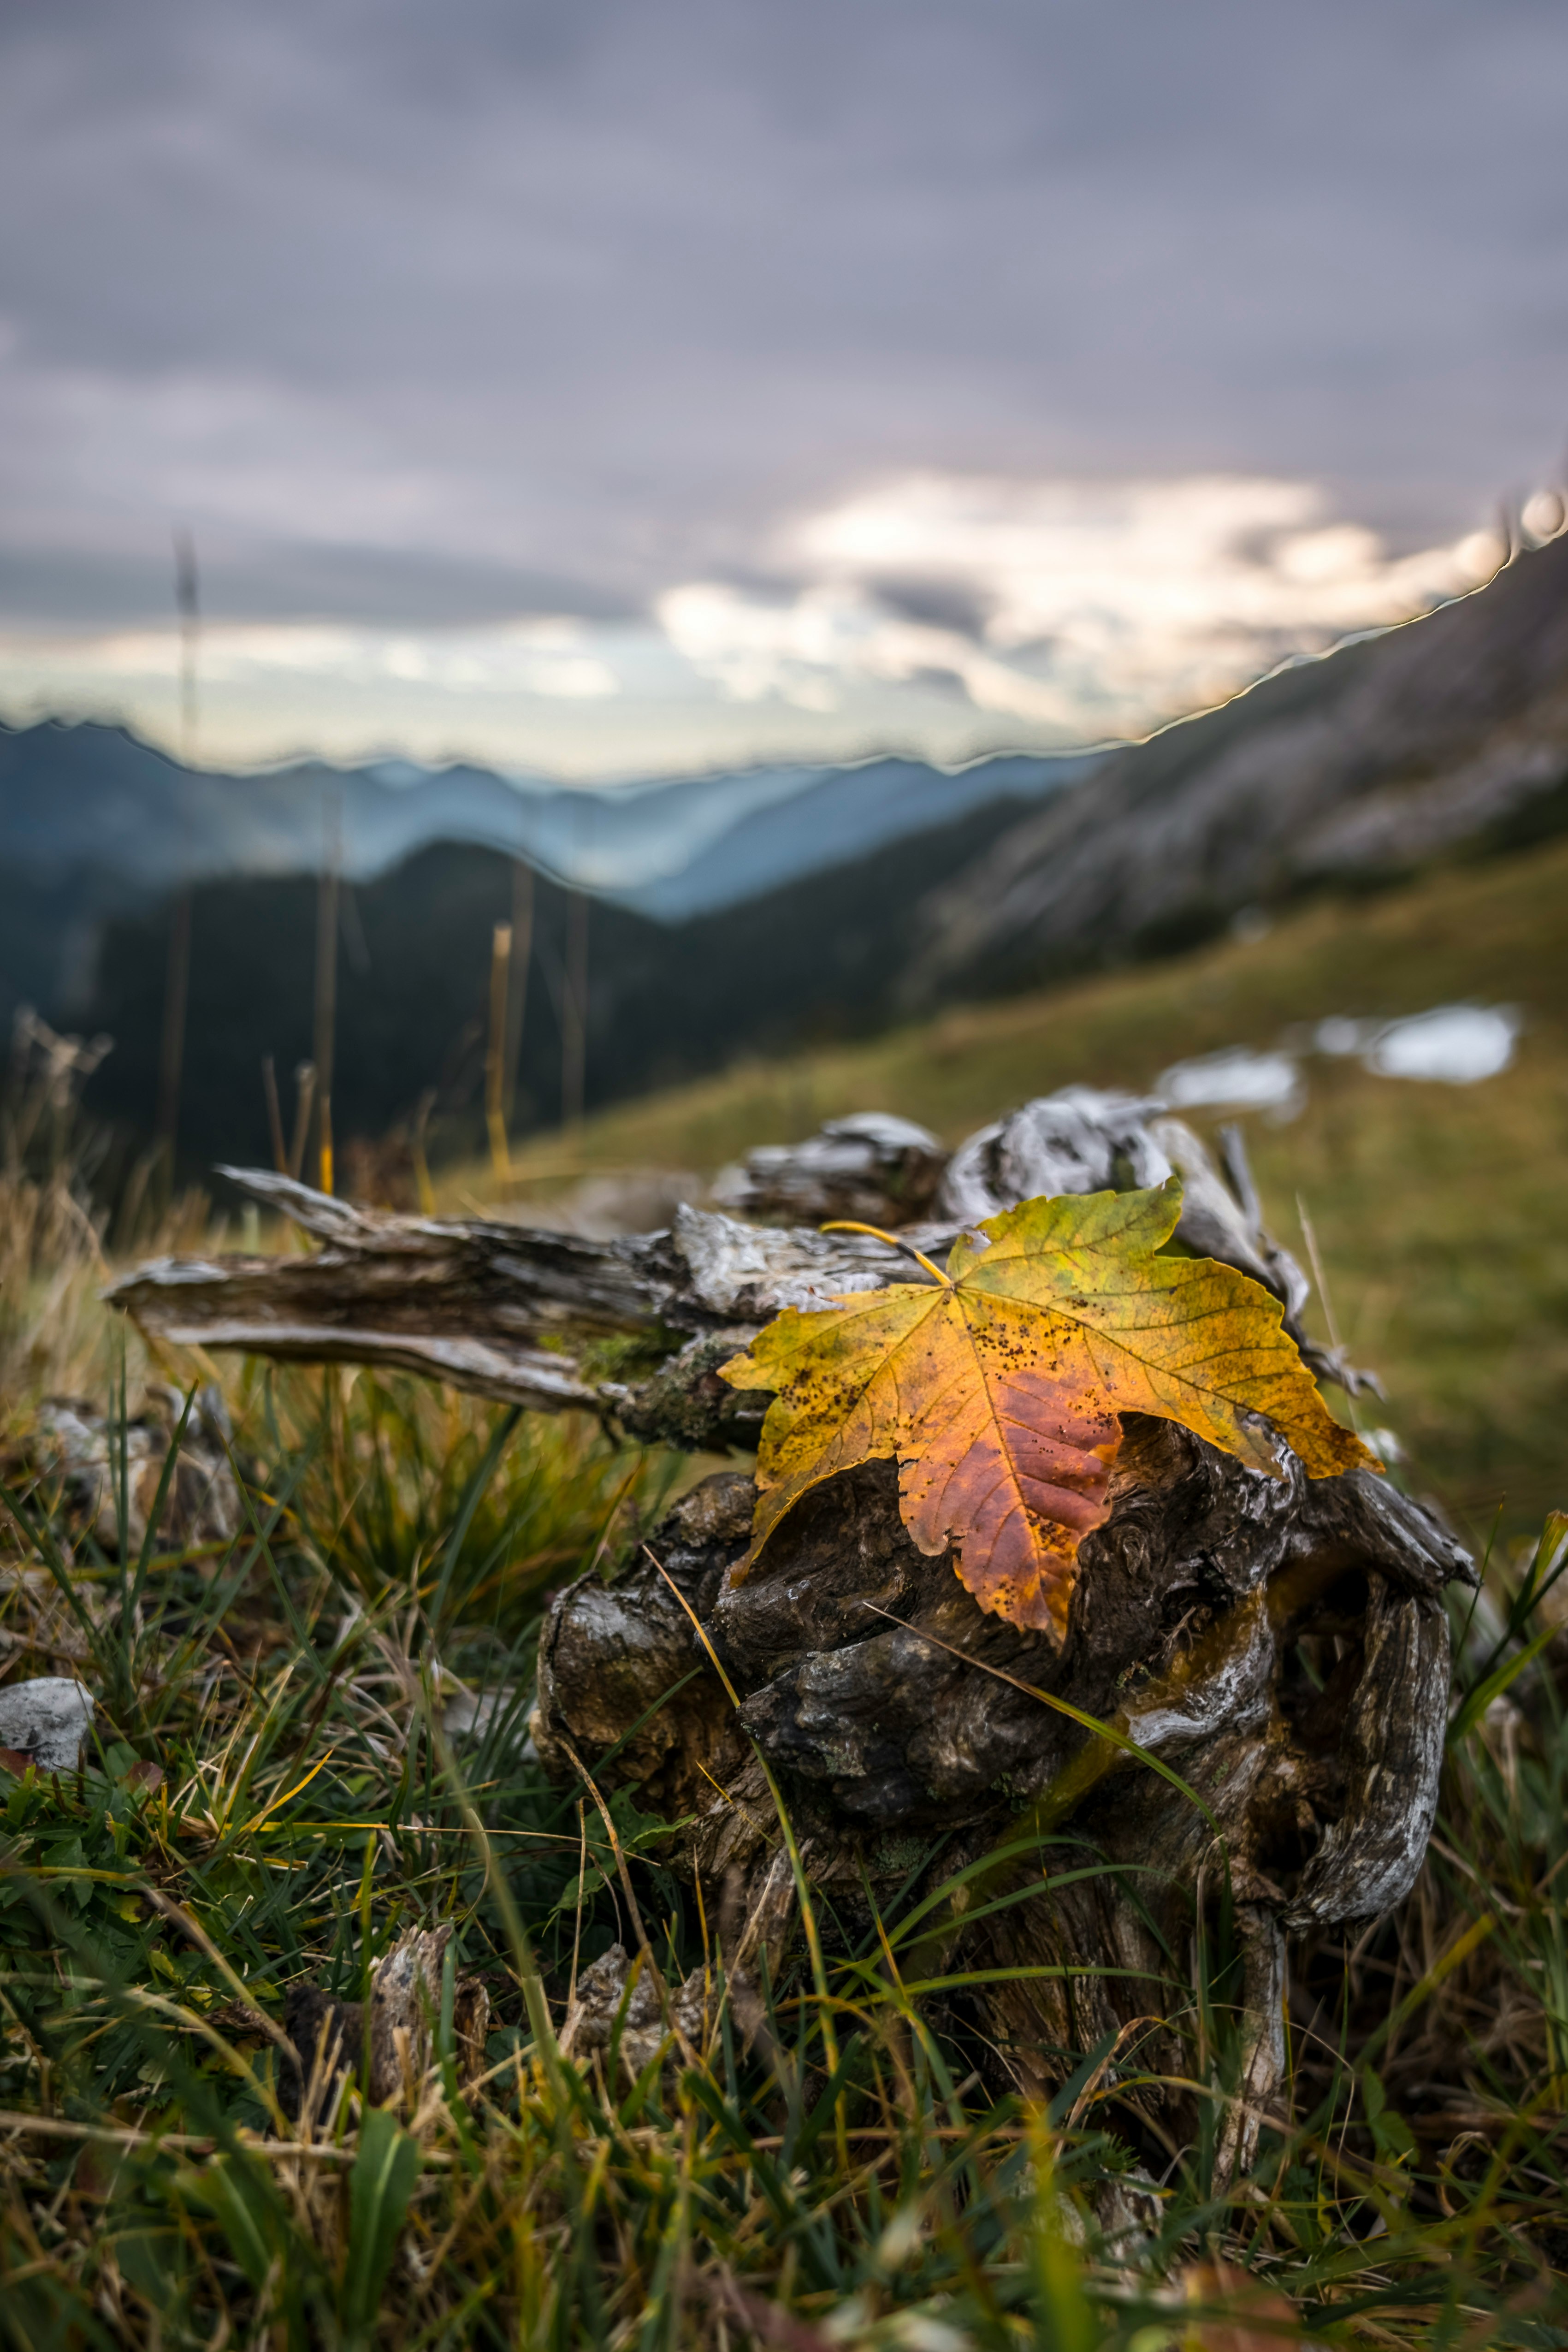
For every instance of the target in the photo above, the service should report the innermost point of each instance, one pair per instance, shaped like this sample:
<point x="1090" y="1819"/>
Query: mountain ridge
<point x="95" y="824"/>
<point x="812" y="960"/>
<point x="1363" y="765"/>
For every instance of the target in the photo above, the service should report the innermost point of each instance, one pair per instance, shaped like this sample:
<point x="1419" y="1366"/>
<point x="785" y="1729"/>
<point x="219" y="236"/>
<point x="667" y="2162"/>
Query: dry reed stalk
<point x="495" y="1052"/>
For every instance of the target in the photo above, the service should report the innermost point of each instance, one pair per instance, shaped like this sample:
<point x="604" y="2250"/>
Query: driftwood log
<point x="1279" y="1643"/>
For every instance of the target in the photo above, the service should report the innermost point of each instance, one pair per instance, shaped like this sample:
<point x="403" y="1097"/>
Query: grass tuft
<point x="283" y="1785"/>
<point x="312" y="1738"/>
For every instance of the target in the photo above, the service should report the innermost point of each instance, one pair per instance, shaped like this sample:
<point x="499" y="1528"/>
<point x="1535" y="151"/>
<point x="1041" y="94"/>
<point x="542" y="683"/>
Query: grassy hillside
<point x="1439" y="1210"/>
<point x="282" y="1782"/>
<point x="813" y="959"/>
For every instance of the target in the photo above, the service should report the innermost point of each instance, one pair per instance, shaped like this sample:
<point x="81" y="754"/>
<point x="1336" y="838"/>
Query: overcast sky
<point x="629" y="384"/>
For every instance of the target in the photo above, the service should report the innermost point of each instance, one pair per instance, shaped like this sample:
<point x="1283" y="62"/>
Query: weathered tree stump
<point x="1279" y="1643"/>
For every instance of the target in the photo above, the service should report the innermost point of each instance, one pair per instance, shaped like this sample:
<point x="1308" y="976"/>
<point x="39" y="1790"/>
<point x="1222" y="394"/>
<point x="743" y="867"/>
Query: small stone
<point x="602" y="1999"/>
<point x="47" y="1720"/>
<point x="470" y="1715"/>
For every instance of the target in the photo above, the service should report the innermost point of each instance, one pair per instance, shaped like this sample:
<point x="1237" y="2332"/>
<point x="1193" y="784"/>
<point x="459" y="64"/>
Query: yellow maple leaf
<point x="998" y="1387"/>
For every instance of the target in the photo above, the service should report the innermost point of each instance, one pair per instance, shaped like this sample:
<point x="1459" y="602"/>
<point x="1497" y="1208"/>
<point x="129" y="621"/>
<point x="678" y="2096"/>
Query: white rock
<point x="1459" y="1044"/>
<point x="48" y="1720"/>
<point x="1235" y="1079"/>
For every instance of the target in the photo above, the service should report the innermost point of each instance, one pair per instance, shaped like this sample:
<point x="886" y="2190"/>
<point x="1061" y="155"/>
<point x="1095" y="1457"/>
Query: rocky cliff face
<point x="1384" y="754"/>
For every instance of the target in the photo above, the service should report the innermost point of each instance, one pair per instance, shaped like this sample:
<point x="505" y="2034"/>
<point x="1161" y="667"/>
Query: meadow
<point x="1436" y="1209"/>
<point x="280" y="1785"/>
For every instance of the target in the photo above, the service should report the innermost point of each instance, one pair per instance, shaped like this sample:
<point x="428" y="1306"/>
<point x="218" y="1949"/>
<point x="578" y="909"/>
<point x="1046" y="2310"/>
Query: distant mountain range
<point x="746" y="914"/>
<point x="94" y="823"/>
<point x="1447" y="735"/>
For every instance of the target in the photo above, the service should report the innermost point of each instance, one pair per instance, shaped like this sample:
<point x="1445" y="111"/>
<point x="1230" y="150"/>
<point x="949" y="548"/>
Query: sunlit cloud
<point x="807" y="650"/>
<point x="1093" y="609"/>
<point x="943" y="614"/>
<point x="281" y="689"/>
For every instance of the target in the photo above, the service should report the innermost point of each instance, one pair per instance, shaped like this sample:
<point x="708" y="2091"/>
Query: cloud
<point x="897" y="374"/>
<point x="1100" y="608"/>
<point x="271" y="691"/>
<point x="399" y="314"/>
<point x="539" y="657"/>
<point x="1071" y="614"/>
<point x="806" y="650"/>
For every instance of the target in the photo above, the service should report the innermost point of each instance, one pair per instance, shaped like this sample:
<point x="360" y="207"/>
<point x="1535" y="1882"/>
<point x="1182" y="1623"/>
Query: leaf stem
<point x="852" y="1226"/>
